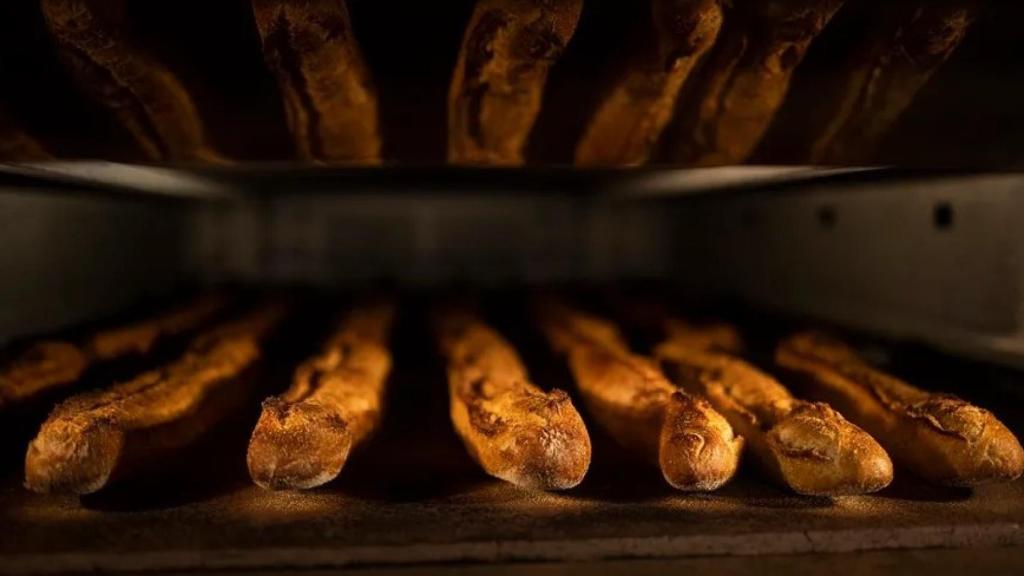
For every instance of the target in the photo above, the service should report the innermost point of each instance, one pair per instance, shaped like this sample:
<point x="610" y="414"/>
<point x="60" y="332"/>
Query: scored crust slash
<point x="329" y="98"/>
<point x="95" y="438"/>
<point x="496" y="89"/>
<point x="939" y="437"/>
<point x="304" y="436"/>
<point x="630" y="398"/>
<point x="807" y="447"/>
<point x="513" y="429"/>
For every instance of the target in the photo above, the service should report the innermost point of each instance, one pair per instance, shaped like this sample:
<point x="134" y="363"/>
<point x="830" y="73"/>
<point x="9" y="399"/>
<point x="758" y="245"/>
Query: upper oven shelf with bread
<point x="513" y="83"/>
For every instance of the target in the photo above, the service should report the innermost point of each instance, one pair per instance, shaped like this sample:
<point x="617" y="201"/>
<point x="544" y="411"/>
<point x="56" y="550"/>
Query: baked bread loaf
<point x="140" y="337"/>
<point x="43" y="366"/>
<point x="631" y="399"/>
<point x="885" y="72"/>
<point x="141" y="93"/>
<point x="496" y="89"/>
<point x="304" y="436"/>
<point x="513" y="429"/>
<point x="939" y="437"/>
<point x="746" y="79"/>
<point x="329" y="98"/>
<point x="641" y="98"/>
<point x="94" y="438"/>
<point x="807" y="447"/>
<point x="49" y="365"/>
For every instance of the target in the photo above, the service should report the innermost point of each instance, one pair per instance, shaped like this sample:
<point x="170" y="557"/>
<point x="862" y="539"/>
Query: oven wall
<point x="71" y="258"/>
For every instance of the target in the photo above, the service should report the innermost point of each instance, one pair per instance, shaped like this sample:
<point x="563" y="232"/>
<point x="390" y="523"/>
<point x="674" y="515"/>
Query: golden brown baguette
<point x="140" y="337"/>
<point x="939" y="437"/>
<point x="642" y="97"/>
<point x="496" y="89"/>
<point x="513" y="429"/>
<point x="42" y="367"/>
<point x="746" y="78"/>
<point x="97" y="437"/>
<point x="885" y="72"/>
<point x="143" y="94"/>
<point x="304" y="436"/>
<point x="49" y="365"/>
<point x="807" y="447"/>
<point x="329" y="97"/>
<point x="630" y="398"/>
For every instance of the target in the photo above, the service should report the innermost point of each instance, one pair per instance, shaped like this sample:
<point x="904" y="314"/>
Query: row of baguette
<point x="712" y="74"/>
<point x="691" y="408"/>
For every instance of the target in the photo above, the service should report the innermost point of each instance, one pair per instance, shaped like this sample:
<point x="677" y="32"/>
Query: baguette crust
<point x="304" y="436"/>
<point x="642" y="98"/>
<point x="94" y="438"/>
<point x="887" y="71"/>
<point x="808" y="447"/>
<point x="143" y="94"/>
<point x="747" y="77"/>
<point x="496" y="89"/>
<point x="692" y="443"/>
<point x="939" y="437"/>
<point x="140" y="337"/>
<point x="329" y="97"/>
<point x="514" y="430"/>
<point x="44" y="366"/>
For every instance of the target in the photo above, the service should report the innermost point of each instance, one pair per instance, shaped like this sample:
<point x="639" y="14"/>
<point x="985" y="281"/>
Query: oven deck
<point x="413" y="496"/>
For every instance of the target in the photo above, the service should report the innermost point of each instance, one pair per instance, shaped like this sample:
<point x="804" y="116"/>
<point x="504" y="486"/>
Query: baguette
<point x="42" y="367"/>
<point x="746" y="78"/>
<point x="807" y="447"/>
<point x="886" y="71"/>
<point x="94" y="438"/>
<point x="49" y="365"/>
<point x="514" y="430"/>
<point x="329" y="98"/>
<point x="641" y="99"/>
<point x="941" y="438"/>
<point x="140" y="337"/>
<point x="693" y="445"/>
<point x="304" y="436"/>
<point x="496" y="89"/>
<point x="143" y="94"/>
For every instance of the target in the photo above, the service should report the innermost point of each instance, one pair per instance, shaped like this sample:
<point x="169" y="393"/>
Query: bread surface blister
<point x="495" y="94"/>
<point x="304" y="437"/>
<point x="143" y="94"/>
<point x="939" y="437"/>
<point x="641" y="97"/>
<point x="746" y="78"/>
<point x="329" y="98"/>
<point x="516" y="431"/>
<point x="95" y="438"/>
<point x="691" y="442"/>
<point x="805" y="446"/>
